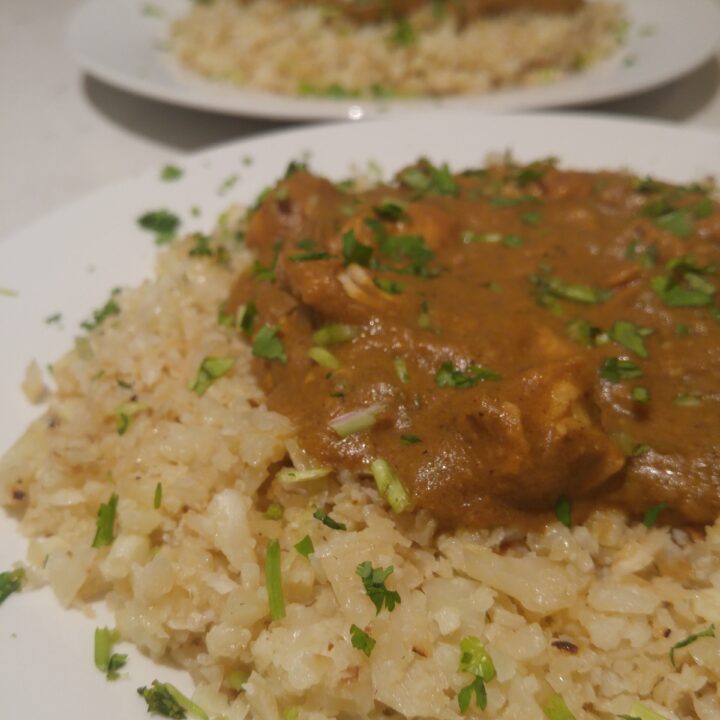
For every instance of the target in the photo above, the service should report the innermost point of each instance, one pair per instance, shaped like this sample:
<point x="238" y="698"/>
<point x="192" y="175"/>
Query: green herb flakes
<point x="373" y="579"/>
<point x="653" y="513"/>
<point x="273" y="581"/>
<point x="556" y="709"/>
<point x="334" y="334"/>
<point x="361" y="640"/>
<point x="274" y="511"/>
<point x="563" y="511"/>
<point x="640" y="394"/>
<point x="354" y="251"/>
<point x="548" y="288"/>
<point x="630" y="336"/>
<point x="104" y="534"/>
<point x="166" y="700"/>
<point x="55" y="319"/>
<point x="323" y="357"/>
<point x="688" y="399"/>
<point x="11" y="581"/>
<point x="391" y="209"/>
<point x="105" y="660"/>
<point x="475" y="659"/>
<point x="125" y="413"/>
<point x="616" y="370"/>
<point x="388" y="286"/>
<point x="163" y="223"/>
<point x="170" y="173"/>
<point x="157" y="497"/>
<point x="211" y="369"/>
<point x="305" y="547"/>
<point x="410" y="439"/>
<point x="109" y="309"/>
<point x="448" y="376"/>
<point x="247" y="317"/>
<point x="268" y="345"/>
<point x="689" y="640"/>
<point x="326" y="520"/>
<point x="477" y="688"/>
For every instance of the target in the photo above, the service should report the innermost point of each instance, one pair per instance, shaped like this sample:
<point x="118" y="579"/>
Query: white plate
<point x="70" y="260"/>
<point x="115" y="41"/>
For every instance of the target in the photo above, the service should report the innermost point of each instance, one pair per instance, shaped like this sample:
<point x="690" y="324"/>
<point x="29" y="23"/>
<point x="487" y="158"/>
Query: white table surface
<point x="63" y="134"/>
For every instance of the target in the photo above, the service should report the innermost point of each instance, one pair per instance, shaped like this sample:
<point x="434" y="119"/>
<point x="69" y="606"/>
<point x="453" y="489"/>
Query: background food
<point x="265" y="45"/>
<point x="187" y="579"/>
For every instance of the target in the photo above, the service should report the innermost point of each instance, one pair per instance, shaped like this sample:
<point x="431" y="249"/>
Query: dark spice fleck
<point x="565" y="646"/>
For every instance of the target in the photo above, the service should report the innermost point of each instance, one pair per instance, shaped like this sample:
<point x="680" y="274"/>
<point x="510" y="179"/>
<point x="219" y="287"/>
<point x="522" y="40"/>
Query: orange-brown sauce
<point x="521" y="334"/>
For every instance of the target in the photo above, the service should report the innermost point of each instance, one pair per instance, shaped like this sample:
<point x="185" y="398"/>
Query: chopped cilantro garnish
<point x="373" y="580"/>
<point x="354" y="251"/>
<point x="617" y="369"/>
<point x="109" y="309"/>
<point x="581" y="331"/>
<point x="531" y="218"/>
<point x="170" y="173"/>
<point x="105" y="660"/>
<point x="211" y="369"/>
<point x="163" y="223"/>
<point x="247" y="319"/>
<point x="166" y="700"/>
<point x="309" y="256"/>
<point x="704" y="209"/>
<point x="548" y="288"/>
<point x="709" y="632"/>
<point x="295" y="166"/>
<point x="477" y="688"/>
<point x="274" y="511"/>
<point x="273" y="581"/>
<point x="258" y="271"/>
<point x="681" y="329"/>
<point x="563" y="511"/>
<point x="410" y="439"/>
<point x="391" y="209"/>
<point x="125" y="413"/>
<point x="556" y="709"/>
<point x="104" y="535"/>
<point x="684" y="285"/>
<point x="475" y="659"/>
<point x="305" y="547"/>
<point x="326" y="520"/>
<point x="428" y="178"/>
<point x="10" y="582"/>
<point x="689" y="399"/>
<point x="640" y="394"/>
<point x="677" y="222"/>
<point x="391" y="287"/>
<point x="630" y="336"/>
<point x="401" y="370"/>
<point x="403" y="35"/>
<point x="449" y="376"/>
<point x="361" y="640"/>
<point x="268" y="345"/>
<point x="157" y="497"/>
<point x="227" y="184"/>
<point x="202" y="246"/>
<point x="653" y="513"/>
<point x="53" y="319"/>
<point x="236" y="679"/>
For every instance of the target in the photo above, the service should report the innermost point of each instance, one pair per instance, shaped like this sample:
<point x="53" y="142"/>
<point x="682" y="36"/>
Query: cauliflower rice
<point x="589" y="612"/>
<point x="265" y="45"/>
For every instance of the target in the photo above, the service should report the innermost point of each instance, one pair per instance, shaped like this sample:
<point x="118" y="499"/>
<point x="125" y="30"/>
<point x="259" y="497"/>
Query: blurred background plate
<point x="124" y="43"/>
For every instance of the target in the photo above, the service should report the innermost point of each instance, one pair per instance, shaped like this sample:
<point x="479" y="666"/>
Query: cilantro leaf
<point x="563" y="511"/>
<point x="10" y="582"/>
<point x="305" y="547"/>
<point x="326" y="520"/>
<point x="163" y="223"/>
<point x="361" y="640"/>
<point x="106" y="523"/>
<point x="709" y="632"/>
<point x="354" y="251"/>
<point x="105" y="660"/>
<point x="630" y="336"/>
<point x="449" y="376"/>
<point x="170" y="173"/>
<point x="617" y="369"/>
<point x="476" y="687"/>
<point x="166" y="700"/>
<point x="109" y="309"/>
<point x="210" y="370"/>
<point x="653" y="513"/>
<point x="268" y="345"/>
<point x="373" y="580"/>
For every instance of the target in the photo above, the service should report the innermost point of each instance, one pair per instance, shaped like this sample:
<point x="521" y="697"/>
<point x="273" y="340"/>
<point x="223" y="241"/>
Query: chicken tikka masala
<point x="496" y="345"/>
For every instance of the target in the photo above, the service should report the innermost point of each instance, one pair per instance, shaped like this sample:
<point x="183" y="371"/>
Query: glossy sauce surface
<point x="515" y="336"/>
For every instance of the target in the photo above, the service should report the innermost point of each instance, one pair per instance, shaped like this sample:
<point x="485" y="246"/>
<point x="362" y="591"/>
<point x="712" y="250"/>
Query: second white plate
<point x="123" y="44"/>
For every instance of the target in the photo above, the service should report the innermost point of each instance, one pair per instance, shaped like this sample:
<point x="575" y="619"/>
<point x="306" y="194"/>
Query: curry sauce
<point x="507" y="342"/>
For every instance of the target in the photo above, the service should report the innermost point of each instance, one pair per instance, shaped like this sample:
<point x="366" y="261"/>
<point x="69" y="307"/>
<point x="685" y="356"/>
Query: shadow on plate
<point x="187" y="129"/>
<point x="679" y="100"/>
<point x="177" y="127"/>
